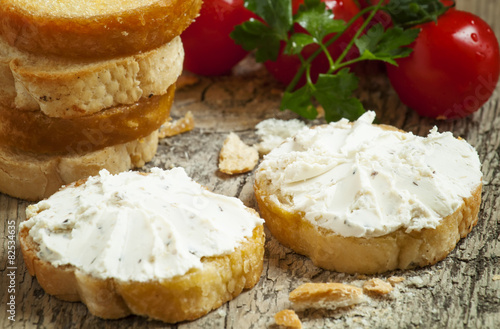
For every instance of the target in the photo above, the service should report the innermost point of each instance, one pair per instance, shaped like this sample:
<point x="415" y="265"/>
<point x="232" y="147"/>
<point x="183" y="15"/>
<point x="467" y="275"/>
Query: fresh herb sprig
<point x="333" y="89"/>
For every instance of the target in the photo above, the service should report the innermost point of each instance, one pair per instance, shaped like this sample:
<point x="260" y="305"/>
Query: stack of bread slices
<point x="84" y="86"/>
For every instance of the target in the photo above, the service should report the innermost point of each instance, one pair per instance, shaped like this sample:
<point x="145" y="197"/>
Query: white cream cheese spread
<point x="138" y="227"/>
<point x="273" y="132"/>
<point x="360" y="180"/>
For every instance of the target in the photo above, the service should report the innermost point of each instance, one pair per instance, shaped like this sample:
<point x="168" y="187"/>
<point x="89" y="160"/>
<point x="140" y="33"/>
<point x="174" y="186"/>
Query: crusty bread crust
<point x="396" y="250"/>
<point x="62" y="28"/>
<point x="329" y="295"/>
<point x="181" y="298"/>
<point x="34" y="177"/>
<point x="116" y="125"/>
<point x="73" y="88"/>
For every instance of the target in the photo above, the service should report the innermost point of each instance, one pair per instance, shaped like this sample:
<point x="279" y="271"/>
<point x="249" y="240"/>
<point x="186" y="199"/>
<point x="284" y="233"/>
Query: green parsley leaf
<point x="334" y="88"/>
<point x="386" y="45"/>
<point x="299" y="101"/>
<point x="256" y="35"/>
<point x="266" y="38"/>
<point x="276" y="13"/>
<point x="317" y="20"/>
<point x="297" y="42"/>
<point x="408" y="13"/>
<point x="334" y="93"/>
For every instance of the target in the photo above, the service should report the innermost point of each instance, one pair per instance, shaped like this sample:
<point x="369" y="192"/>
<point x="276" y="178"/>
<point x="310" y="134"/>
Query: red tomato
<point x="453" y="70"/>
<point x="286" y="66"/>
<point x="209" y="49"/>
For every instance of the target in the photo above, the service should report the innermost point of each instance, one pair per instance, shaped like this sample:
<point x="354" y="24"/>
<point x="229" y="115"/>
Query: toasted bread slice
<point x="32" y="176"/>
<point x="400" y="247"/>
<point x="397" y="250"/>
<point x="116" y="125"/>
<point x="72" y="88"/>
<point x="164" y="247"/>
<point x="94" y="29"/>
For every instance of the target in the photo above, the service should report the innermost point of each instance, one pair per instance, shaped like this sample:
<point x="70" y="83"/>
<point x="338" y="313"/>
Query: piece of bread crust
<point x="181" y="298"/>
<point x="113" y="126"/>
<point x="71" y="88"/>
<point x="396" y="250"/>
<point x="34" y="177"/>
<point x="94" y="29"/>
<point x="329" y="295"/>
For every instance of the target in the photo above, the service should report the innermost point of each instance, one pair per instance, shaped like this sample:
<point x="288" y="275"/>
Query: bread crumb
<point x="273" y="132"/>
<point x="288" y="318"/>
<point x="326" y="295"/>
<point x="236" y="157"/>
<point x="415" y="281"/>
<point x="186" y="79"/>
<point x="393" y="280"/>
<point x="185" y="124"/>
<point x="496" y="277"/>
<point x="377" y="286"/>
<point x="361" y="277"/>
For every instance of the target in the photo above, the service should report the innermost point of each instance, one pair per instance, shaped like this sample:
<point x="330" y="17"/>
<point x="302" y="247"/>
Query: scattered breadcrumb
<point x="288" y="318"/>
<point x="361" y="277"/>
<point x="185" y="124"/>
<point x="236" y="157"/>
<point x="496" y="277"/>
<point x="326" y="295"/>
<point x="186" y="79"/>
<point x="393" y="280"/>
<point x="377" y="286"/>
<point x="272" y="132"/>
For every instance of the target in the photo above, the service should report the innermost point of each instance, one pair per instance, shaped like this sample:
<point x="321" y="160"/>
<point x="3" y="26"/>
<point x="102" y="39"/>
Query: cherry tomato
<point x="208" y="48"/>
<point x="286" y="66"/>
<point x="453" y="69"/>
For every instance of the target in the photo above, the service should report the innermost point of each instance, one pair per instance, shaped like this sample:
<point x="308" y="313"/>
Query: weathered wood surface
<point x="462" y="291"/>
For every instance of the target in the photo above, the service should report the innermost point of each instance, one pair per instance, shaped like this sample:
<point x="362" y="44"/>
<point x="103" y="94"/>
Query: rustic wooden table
<point x="462" y="291"/>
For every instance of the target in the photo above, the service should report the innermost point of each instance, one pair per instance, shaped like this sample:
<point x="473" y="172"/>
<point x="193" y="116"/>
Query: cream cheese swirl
<point x="361" y="180"/>
<point x="138" y="227"/>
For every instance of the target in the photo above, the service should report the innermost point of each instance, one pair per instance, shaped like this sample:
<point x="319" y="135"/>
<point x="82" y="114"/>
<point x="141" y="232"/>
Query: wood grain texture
<point x="462" y="291"/>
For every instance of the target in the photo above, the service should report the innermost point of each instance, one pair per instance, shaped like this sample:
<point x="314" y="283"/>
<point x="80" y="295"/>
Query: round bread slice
<point x="154" y="275"/>
<point x="68" y="88"/>
<point x="113" y="126"/>
<point x="360" y="198"/>
<point x="94" y="29"/>
<point x="33" y="176"/>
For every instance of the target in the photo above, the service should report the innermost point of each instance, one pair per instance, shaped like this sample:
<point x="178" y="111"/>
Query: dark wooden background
<point x="462" y="291"/>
